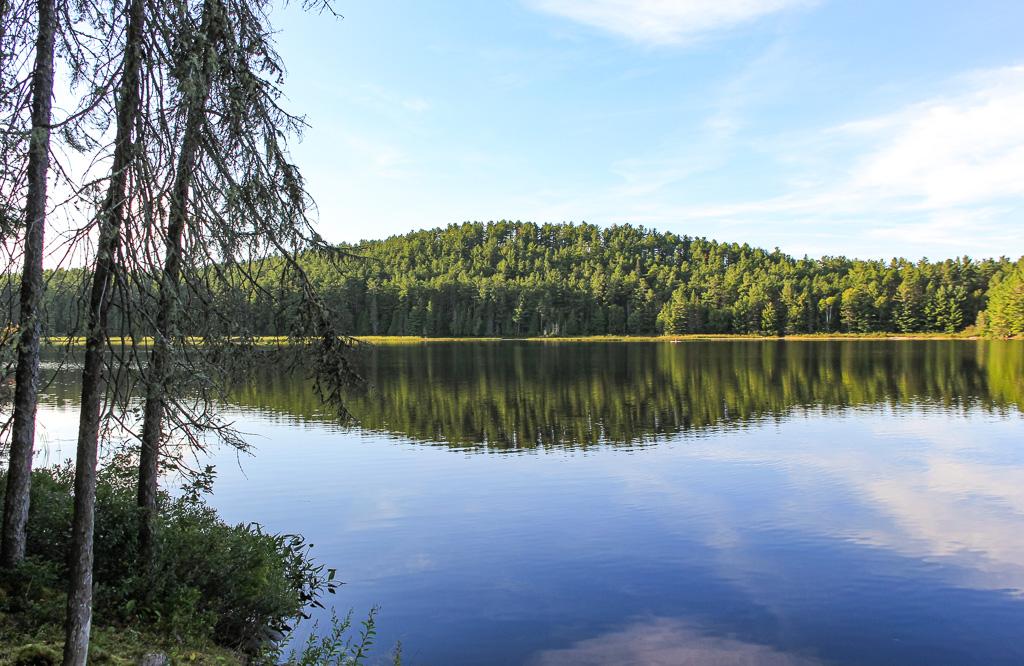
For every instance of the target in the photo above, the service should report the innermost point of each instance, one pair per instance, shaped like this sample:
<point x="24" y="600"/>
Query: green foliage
<point x="1005" y="313"/>
<point x="856" y="311"/>
<point x="210" y="582"/>
<point x="34" y="654"/>
<point x="337" y="646"/>
<point x="516" y="279"/>
<point x="114" y="646"/>
<point x="512" y="279"/>
<point x="945" y="310"/>
<point x="910" y="301"/>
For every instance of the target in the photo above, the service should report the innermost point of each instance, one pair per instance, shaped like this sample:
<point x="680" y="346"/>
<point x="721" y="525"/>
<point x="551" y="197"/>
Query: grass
<point x="412" y="339"/>
<point x="117" y="341"/>
<point x="117" y="646"/>
<point x="274" y="341"/>
<point x="210" y="591"/>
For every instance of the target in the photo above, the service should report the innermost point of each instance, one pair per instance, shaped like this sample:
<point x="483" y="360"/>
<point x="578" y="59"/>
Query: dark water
<point x="816" y="502"/>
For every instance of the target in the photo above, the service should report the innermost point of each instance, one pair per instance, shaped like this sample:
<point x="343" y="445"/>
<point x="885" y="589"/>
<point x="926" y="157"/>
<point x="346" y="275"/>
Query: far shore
<point x="726" y="337"/>
<point x="271" y="341"/>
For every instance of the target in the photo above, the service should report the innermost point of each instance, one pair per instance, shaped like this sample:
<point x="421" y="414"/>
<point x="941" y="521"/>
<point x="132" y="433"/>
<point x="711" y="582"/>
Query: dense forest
<point x="516" y="279"/>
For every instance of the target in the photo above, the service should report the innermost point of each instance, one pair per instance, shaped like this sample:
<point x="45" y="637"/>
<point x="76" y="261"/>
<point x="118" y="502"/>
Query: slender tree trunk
<point x="3" y="32"/>
<point x="19" y="476"/>
<point x="168" y="311"/>
<point x="111" y="218"/>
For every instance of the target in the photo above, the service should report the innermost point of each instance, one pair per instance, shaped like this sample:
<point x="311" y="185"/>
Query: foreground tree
<point x="200" y="60"/>
<point x="237" y="209"/>
<point x="34" y="35"/>
<point x="19" y="477"/>
<point x="110" y="219"/>
<point x="201" y="201"/>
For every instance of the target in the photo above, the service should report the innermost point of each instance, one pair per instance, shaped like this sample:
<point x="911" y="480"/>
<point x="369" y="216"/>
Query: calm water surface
<point x="598" y="503"/>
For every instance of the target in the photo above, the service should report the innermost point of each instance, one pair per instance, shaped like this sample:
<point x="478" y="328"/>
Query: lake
<point x="742" y="502"/>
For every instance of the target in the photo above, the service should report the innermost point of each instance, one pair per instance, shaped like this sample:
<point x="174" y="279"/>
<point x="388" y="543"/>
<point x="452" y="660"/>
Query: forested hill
<point x="523" y="279"/>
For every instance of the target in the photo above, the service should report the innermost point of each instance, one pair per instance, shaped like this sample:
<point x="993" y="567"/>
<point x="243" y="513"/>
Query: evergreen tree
<point x="945" y="309"/>
<point x="520" y="279"/>
<point x="19" y="476"/>
<point x="110" y="217"/>
<point x="910" y="302"/>
<point x="856" y="310"/>
<point x="1005" y="313"/>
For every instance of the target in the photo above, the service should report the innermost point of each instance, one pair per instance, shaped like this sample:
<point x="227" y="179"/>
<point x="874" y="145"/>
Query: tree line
<point x="516" y="279"/>
<point x="512" y="279"/>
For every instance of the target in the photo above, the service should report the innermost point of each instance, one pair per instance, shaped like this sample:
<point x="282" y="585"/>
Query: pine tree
<point x="26" y="392"/>
<point x="1005" y="313"/>
<point x="110" y="219"/>
<point x="910" y="300"/>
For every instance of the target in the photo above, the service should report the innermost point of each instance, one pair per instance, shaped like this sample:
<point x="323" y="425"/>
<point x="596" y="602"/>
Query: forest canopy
<point x="525" y="279"/>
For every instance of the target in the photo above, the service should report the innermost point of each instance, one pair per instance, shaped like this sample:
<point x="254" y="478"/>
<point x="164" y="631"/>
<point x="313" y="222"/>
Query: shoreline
<point x="267" y="341"/>
<point x="695" y="337"/>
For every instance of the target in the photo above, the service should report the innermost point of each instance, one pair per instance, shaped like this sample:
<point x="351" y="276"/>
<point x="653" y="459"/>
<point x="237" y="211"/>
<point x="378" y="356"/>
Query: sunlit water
<point x="709" y="503"/>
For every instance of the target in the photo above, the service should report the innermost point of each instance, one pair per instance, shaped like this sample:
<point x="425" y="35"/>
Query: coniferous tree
<point x="517" y="279"/>
<point x="236" y="209"/>
<point x="32" y="37"/>
<point x="195" y="84"/>
<point x="16" y="499"/>
<point x="1005" y="313"/>
<point x="910" y="304"/>
<point x="110" y="218"/>
<point x="944" y="311"/>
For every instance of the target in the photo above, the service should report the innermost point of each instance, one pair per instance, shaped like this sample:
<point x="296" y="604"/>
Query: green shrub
<point x="234" y="585"/>
<point x="337" y="645"/>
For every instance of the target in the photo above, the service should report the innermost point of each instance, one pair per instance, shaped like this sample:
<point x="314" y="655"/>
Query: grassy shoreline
<point x="383" y="340"/>
<point x="270" y="341"/>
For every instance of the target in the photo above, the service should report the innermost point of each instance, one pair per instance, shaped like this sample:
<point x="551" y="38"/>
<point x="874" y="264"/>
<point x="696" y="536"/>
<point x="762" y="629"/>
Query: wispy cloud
<point x="379" y="97"/>
<point x="942" y="172"/>
<point x="664" y="22"/>
<point x="950" y="152"/>
<point x="705" y="146"/>
<point x="376" y="156"/>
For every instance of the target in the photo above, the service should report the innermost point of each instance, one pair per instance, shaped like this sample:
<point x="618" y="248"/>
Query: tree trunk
<point x="167" y="313"/>
<point x="111" y="218"/>
<point x="26" y="392"/>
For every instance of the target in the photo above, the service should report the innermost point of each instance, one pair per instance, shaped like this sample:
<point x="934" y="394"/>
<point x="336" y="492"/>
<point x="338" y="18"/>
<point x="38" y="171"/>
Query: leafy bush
<point x="336" y="646"/>
<point x="236" y="586"/>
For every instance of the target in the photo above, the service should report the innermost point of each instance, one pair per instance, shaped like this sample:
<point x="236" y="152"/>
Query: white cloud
<point x="944" y="154"/>
<point x="937" y="174"/>
<point x="950" y="152"/>
<point x="663" y="21"/>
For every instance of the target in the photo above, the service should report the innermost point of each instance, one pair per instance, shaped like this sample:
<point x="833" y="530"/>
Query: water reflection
<point x="807" y="503"/>
<point x="527" y="394"/>
<point x="666" y="642"/>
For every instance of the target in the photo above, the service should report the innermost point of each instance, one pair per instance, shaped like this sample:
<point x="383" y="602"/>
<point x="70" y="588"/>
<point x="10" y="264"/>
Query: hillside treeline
<point x="524" y="279"/>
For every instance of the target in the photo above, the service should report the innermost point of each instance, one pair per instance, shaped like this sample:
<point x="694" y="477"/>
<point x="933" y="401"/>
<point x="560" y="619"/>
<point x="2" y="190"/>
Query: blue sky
<point x="864" y="128"/>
